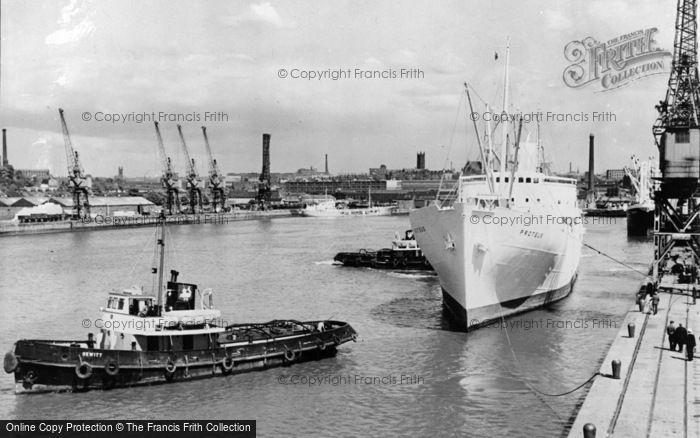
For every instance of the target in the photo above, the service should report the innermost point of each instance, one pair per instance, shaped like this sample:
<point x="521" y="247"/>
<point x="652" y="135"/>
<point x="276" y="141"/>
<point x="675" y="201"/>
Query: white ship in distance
<point x="329" y="208"/>
<point x="508" y="240"/>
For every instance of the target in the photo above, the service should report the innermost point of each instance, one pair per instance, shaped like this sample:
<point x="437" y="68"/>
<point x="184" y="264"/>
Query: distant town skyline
<point x="382" y="83"/>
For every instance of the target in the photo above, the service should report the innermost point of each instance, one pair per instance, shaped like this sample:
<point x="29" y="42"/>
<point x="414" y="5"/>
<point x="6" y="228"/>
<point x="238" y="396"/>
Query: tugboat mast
<point x="161" y="243"/>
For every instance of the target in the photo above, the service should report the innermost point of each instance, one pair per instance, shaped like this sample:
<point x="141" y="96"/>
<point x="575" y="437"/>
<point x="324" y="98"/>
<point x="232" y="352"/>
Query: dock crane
<point x="79" y="183"/>
<point x="677" y="135"/>
<point x="193" y="181"/>
<point x="168" y="178"/>
<point x="215" y="178"/>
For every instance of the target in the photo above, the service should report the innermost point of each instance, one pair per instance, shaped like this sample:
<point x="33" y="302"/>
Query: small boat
<point x="167" y="336"/>
<point x="404" y="254"/>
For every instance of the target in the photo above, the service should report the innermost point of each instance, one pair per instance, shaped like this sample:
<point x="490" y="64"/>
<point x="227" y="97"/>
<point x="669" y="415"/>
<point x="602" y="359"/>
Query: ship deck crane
<point x="215" y="178"/>
<point x="168" y="178"/>
<point x="192" y="177"/>
<point x="677" y="135"/>
<point x="79" y="183"/>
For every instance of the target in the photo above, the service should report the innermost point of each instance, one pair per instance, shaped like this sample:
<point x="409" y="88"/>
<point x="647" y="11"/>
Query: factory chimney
<point x="264" y="188"/>
<point x="5" y="163"/>
<point x="265" y="175"/>
<point x="591" y="170"/>
<point x="420" y="161"/>
<point x="326" y="164"/>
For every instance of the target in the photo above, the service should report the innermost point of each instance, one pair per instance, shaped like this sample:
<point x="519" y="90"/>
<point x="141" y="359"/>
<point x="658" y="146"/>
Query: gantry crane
<point x="677" y="135"/>
<point x="168" y="178"/>
<point x="192" y="177"/>
<point x="215" y="178"/>
<point x="79" y="183"/>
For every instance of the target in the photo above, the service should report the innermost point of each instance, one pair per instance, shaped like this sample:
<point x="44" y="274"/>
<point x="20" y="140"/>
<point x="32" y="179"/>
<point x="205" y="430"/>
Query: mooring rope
<point x="528" y="384"/>
<point x="614" y="259"/>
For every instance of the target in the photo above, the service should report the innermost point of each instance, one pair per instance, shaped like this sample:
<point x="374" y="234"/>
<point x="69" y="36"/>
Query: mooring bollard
<point x="630" y="329"/>
<point x="616" y="365"/>
<point x="589" y="430"/>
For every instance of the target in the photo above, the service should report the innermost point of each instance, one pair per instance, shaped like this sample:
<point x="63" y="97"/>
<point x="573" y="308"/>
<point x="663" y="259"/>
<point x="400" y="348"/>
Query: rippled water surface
<point x="476" y="384"/>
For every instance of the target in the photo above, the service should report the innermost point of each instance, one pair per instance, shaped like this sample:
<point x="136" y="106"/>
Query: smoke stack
<point x="5" y="163"/>
<point x="326" y="164"/>
<point x="570" y="167"/>
<point x="265" y="175"/>
<point x="591" y="168"/>
<point x="420" y="161"/>
<point x="264" y="193"/>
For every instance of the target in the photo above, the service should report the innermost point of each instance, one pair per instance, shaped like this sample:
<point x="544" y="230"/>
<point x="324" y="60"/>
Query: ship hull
<point x="489" y="271"/>
<point x="481" y="317"/>
<point x="640" y="219"/>
<point x="385" y="259"/>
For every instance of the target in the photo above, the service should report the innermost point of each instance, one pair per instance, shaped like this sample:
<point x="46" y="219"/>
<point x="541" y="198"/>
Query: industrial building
<point x="127" y="205"/>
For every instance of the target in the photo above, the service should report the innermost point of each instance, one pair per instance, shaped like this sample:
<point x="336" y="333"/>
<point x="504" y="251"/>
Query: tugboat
<point x="167" y="336"/>
<point x="404" y="254"/>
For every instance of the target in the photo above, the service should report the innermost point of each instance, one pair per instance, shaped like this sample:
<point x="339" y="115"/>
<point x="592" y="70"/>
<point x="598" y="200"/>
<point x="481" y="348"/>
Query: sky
<point x="189" y="58"/>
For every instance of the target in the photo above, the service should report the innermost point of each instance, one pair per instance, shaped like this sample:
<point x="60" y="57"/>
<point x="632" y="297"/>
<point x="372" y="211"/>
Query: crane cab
<point x="679" y="161"/>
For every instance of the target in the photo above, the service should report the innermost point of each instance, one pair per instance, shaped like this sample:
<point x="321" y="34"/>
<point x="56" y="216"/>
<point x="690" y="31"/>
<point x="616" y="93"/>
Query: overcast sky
<point x="192" y="57"/>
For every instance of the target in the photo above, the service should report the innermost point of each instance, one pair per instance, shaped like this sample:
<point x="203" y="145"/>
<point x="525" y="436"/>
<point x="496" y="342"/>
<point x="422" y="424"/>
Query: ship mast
<point x="491" y="152"/>
<point x="504" y="143"/>
<point x="484" y="156"/>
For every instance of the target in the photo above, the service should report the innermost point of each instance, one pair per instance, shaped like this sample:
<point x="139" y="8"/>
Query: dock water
<point x="658" y="392"/>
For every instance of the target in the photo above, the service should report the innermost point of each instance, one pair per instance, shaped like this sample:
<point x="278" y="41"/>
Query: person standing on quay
<point x="681" y="335"/>
<point x="690" y="345"/>
<point x="655" y="302"/>
<point x="671" y="332"/>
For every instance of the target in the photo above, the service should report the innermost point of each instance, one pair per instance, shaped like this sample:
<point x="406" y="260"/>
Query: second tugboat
<point x="404" y="254"/>
<point x="166" y="337"/>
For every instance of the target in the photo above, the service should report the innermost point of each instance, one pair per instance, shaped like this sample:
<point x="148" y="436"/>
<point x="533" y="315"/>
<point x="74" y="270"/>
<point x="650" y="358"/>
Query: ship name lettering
<point x="90" y="354"/>
<point x="530" y="233"/>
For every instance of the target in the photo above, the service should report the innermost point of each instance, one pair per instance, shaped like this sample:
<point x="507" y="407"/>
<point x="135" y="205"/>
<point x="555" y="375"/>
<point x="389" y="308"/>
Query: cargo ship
<point x="173" y="334"/>
<point x="508" y="240"/>
<point x="640" y="215"/>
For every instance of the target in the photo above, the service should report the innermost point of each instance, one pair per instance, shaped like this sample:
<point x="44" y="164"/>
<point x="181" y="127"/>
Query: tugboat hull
<point x="41" y="365"/>
<point x="385" y="259"/>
